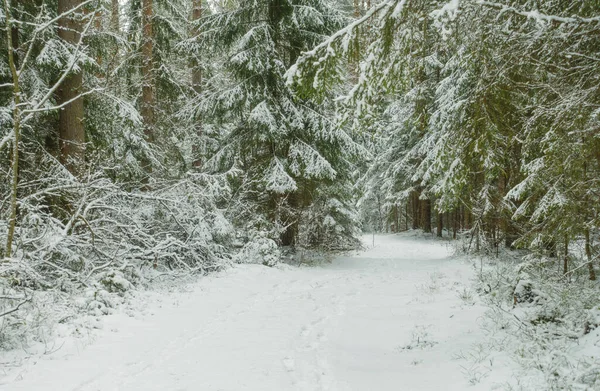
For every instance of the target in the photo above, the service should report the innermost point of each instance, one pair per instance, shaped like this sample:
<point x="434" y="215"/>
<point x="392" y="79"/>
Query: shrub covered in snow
<point x="92" y="235"/>
<point x="329" y="225"/>
<point x="548" y="322"/>
<point x="259" y="250"/>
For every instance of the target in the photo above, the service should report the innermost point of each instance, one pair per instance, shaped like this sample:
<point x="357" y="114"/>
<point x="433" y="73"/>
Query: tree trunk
<point x="467" y="218"/>
<point x="426" y="216"/>
<point x="197" y="84"/>
<point x="455" y="223"/>
<point x="415" y="210"/>
<point x="15" y="44"/>
<point x="290" y="219"/>
<point x="566" y="258"/>
<point x="115" y="26"/>
<point x="12" y="220"/>
<point x="147" y="106"/>
<point x="440" y="225"/>
<point x="71" y="131"/>
<point x="588" y="246"/>
<point x="588" y="253"/>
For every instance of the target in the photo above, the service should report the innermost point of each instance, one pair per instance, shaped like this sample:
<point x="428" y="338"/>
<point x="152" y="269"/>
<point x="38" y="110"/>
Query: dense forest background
<point x="179" y="136"/>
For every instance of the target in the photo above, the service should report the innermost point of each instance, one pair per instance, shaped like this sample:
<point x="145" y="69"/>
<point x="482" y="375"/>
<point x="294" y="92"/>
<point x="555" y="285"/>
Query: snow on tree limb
<point x="538" y="16"/>
<point x="326" y="49"/>
<point x="5" y="141"/>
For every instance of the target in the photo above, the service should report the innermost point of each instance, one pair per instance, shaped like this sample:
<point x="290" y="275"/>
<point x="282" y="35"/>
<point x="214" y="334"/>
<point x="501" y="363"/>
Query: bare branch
<point x="15" y="309"/>
<point x="45" y="109"/>
<point x="63" y="76"/>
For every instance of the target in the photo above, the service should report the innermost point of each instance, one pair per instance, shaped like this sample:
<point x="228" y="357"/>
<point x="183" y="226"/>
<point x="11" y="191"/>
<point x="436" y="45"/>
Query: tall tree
<point x="16" y="131"/>
<point x="196" y="71"/>
<point x="286" y="147"/>
<point x="71" y="115"/>
<point x="148" y="80"/>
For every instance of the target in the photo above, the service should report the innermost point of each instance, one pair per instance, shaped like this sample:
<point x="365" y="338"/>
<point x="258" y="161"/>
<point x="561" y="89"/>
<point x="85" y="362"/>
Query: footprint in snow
<point x="289" y="364"/>
<point x="305" y="331"/>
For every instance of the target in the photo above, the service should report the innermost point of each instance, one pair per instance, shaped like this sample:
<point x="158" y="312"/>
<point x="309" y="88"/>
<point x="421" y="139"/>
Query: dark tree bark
<point x="416" y="210"/>
<point x="14" y="31"/>
<point x="426" y="216"/>
<point x="147" y="106"/>
<point x="455" y="216"/>
<point x="289" y="218"/>
<point x="588" y="253"/>
<point x="115" y="26"/>
<point x="71" y="130"/>
<point x="566" y="258"/>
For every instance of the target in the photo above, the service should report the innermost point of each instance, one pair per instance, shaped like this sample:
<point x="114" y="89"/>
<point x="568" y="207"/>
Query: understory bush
<point x="259" y="249"/>
<point x="95" y="240"/>
<point x="547" y="321"/>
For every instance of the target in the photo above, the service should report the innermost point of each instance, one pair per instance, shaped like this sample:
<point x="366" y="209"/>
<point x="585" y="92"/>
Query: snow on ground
<point x="398" y="316"/>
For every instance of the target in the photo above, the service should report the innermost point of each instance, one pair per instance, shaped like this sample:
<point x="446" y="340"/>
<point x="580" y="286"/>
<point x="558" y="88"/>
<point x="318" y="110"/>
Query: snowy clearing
<point x="399" y="316"/>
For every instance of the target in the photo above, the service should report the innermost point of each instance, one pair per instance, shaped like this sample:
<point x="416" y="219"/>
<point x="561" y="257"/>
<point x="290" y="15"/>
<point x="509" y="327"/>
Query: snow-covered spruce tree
<point x="294" y="160"/>
<point x="559" y="190"/>
<point x="475" y="158"/>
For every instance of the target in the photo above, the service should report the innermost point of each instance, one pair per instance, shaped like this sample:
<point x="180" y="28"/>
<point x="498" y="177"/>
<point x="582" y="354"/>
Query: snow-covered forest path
<point x="395" y="317"/>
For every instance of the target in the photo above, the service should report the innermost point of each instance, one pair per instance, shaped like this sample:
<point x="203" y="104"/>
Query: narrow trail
<point x="395" y="317"/>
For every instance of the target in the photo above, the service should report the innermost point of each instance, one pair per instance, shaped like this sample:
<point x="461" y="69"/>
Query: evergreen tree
<point x="289" y="150"/>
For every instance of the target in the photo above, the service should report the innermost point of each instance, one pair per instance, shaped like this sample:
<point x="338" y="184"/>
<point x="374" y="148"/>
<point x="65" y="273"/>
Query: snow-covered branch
<point x="65" y="73"/>
<point x="536" y="15"/>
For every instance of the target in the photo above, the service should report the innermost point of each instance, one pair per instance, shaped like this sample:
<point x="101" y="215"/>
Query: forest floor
<point x="398" y="316"/>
